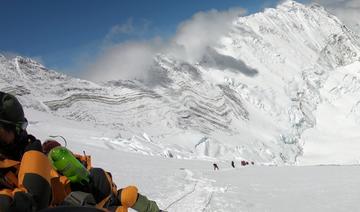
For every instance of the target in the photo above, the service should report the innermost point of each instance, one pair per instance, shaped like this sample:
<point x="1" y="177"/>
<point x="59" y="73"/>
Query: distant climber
<point x="215" y="166"/>
<point x="233" y="164"/>
<point x="246" y="163"/>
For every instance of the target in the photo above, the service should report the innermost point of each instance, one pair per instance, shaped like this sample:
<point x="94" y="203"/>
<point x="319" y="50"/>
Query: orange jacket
<point x="32" y="184"/>
<point x="102" y="180"/>
<point x="60" y="184"/>
<point x="25" y="185"/>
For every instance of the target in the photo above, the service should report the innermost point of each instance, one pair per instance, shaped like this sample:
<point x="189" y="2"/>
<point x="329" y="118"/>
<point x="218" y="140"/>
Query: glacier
<point x="258" y="94"/>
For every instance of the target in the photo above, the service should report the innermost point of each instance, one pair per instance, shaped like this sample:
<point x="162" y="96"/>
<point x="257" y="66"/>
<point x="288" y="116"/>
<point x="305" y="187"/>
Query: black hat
<point x="11" y="111"/>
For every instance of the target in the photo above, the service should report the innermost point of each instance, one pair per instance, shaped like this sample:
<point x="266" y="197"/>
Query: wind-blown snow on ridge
<point x="251" y="96"/>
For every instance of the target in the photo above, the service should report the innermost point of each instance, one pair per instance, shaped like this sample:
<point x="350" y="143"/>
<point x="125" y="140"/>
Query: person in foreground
<point x="30" y="182"/>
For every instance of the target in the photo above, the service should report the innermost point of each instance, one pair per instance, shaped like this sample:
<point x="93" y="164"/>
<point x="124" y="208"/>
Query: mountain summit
<point x="252" y="95"/>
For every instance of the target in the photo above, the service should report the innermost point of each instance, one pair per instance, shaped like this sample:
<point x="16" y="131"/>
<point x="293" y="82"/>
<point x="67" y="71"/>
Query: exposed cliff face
<point x="251" y="95"/>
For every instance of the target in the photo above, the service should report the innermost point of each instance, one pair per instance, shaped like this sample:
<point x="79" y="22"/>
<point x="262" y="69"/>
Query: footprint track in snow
<point x="198" y="196"/>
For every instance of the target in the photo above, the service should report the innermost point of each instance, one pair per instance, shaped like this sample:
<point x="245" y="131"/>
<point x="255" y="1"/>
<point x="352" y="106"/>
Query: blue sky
<point x="60" y="33"/>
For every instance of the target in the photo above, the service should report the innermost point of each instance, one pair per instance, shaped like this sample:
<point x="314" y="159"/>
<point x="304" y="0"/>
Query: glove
<point x="48" y="145"/>
<point x="34" y="144"/>
<point x="143" y="204"/>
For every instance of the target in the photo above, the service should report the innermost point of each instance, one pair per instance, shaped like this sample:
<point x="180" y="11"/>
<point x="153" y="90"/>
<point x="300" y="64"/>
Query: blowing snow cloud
<point x="133" y="59"/>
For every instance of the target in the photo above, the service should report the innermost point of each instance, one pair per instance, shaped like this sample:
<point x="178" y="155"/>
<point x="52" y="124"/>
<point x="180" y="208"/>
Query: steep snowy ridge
<point x="251" y="96"/>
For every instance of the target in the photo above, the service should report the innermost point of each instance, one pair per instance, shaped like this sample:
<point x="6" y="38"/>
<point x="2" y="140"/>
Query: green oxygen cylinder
<point x="66" y="164"/>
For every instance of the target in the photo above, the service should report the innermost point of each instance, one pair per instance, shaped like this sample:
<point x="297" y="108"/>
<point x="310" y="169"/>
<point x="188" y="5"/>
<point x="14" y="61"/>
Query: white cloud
<point x="132" y="60"/>
<point x="8" y="54"/>
<point x="127" y="28"/>
<point x="347" y="11"/>
<point x="127" y="60"/>
<point x="202" y="31"/>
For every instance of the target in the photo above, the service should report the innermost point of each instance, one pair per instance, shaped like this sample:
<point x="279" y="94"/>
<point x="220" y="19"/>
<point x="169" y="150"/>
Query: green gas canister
<point x="66" y="164"/>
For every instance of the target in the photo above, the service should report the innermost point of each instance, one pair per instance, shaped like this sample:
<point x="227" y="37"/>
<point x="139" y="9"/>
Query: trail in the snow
<point x="209" y="201"/>
<point x="182" y="197"/>
<point x="197" y="198"/>
<point x="195" y="193"/>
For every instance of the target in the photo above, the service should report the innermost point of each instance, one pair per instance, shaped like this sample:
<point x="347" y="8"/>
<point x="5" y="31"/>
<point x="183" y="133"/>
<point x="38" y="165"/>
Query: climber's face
<point x="6" y="136"/>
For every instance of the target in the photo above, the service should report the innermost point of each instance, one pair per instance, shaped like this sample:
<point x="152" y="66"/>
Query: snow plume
<point x="202" y="31"/>
<point x="128" y="28"/>
<point x="129" y="60"/>
<point x="125" y="28"/>
<point x="8" y="54"/>
<point x="133" y="60"/>
<point x="347" y="10"/>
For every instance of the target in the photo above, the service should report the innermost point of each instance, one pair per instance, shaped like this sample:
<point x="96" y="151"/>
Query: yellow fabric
<point x="60" y="187"/>
<point x="19" y="190"/>
<point x="11" y="178"/>
<point x="102" y="202"/>
<point x="129" y="196"/>
<point x="36" y="163"/>
<point x="66" y="184"/>
<point x="6" y="163"/>
<point x="54" y="173"/>
<point x="7" y="192"/>
<point x="85" y="159"/>
<point x="113" y="187"/>
<point x="10" y="193"/>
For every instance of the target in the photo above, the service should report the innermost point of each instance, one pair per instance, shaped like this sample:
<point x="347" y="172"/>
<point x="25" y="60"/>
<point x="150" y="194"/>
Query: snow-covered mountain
<point x="253" y="95"/>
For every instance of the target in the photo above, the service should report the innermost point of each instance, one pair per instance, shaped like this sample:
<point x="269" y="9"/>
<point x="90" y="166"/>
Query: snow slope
<point x="179" y="185"/>
<point x="281" y="87"/>
<point x="334" y="139"/>
<point x="262" y="93"/>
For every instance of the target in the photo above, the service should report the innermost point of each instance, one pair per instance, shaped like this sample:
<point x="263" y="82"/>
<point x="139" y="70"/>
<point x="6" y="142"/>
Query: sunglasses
<point x="19" y="126"/>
